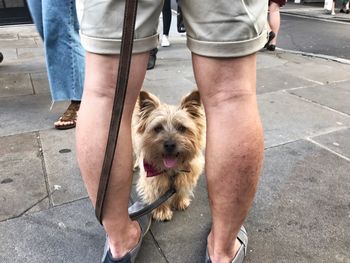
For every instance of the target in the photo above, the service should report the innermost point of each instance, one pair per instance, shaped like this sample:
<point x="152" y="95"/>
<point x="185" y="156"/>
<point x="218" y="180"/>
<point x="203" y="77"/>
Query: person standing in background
<point x="333" y="8"/>
<point x="345" y="7"/>
<point x="274" y="21"/>
<point x="166" y="13"/>
<point x="58" y="26"/>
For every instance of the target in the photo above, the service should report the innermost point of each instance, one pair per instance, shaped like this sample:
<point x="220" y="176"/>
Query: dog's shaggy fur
<point x="168" y="141"/>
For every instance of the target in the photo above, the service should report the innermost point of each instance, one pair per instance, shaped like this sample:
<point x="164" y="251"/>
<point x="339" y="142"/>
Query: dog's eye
<point x="182" y="128"/>
<point x="158" y="129"/>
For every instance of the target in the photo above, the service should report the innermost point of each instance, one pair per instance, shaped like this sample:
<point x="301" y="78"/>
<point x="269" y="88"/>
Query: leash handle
<point x="118" y="104"/>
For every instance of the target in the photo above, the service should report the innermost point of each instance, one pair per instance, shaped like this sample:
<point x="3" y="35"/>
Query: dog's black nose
<point x="169" y="146"/>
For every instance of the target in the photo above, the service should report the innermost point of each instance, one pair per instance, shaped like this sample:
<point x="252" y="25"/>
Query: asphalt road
<point x="314" y="36"/>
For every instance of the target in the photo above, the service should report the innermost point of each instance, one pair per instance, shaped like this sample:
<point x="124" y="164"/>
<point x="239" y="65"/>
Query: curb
<point x="330" y="19"/>
<point x="315" y="55"/>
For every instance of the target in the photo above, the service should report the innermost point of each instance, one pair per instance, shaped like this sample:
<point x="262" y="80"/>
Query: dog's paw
<point x="162" y="213"/>
<point x="181" y="203"/>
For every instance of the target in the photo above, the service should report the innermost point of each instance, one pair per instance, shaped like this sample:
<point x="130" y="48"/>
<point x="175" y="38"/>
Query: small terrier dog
<point x="168" y="145"/>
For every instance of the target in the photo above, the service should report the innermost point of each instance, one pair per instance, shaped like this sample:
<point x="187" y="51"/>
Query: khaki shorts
<point x="215" y="28"/>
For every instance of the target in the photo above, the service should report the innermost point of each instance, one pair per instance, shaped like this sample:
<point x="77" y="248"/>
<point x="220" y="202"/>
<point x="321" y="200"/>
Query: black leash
<point x="139" y="209"/>
<point x="118" y="104"/>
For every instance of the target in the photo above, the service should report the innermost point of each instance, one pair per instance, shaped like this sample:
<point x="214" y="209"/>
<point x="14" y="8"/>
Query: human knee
<point x="225" y="97"/>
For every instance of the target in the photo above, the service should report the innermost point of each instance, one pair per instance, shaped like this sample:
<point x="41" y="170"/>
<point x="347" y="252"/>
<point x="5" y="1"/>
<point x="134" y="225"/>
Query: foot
<point x="240" y="250"/>
<point x="165" y="41"/>
<point x="1" y="57"/>
<point x="69" y="118"/>
<point x="333" y="13"/>
<point x="111" y="256"/>
<point x="152" y="58"/>
<point x="342" y="11"/>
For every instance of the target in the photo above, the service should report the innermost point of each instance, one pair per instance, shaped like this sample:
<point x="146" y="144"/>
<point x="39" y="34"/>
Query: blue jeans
<point x="58" y="27"/>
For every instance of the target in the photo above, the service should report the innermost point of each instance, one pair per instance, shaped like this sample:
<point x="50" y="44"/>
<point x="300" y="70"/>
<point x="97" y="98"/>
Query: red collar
<point x="153" y="171"/>
<point x="150" y="169"/>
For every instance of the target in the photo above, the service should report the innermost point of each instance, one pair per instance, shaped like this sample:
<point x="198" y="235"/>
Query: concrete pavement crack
<point x="319" y="104"/>
<point x="158" y="246"/>
<point x="26" y="210"/>
<point x="32" y="83"/>
<point x="43" y="165"/>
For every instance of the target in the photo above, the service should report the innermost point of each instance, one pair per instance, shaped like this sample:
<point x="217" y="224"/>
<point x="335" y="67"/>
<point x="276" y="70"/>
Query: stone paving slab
<point x="274" y="79"/>
<point x="269" y="60"/>
<point x="23" y="65"/>
<point x="61" y="166"/>
<point x="17" y="43"/>
<point x="312" y="66"/>
<point x="160" y="81"/>
<point x="150" y="252"/>
<point x="18" y="29"/>
<point x="33" y="114"/>
<point x="40" y="83"/>
<point x="69" y="233"/>
<point x="182" y="86"/>
<point x="39" y="42"/>
<point x="335" y="95"/>
<point x="301" y="211"/>
<point x="42" y="205"/>
<point x="166" y="68"/>
<point x="9" y="54"/>
<point x="15" y="85"/>
<point x="8" y="35"/>
<point x="288" y="118"/>
<point x="30" y="52"/>
<point x="337" y="141"/>
<point x="28" y="33"/>
<point x="177" y="50"/>
<point x="22" y="181"/>
<point x="183" y="239"/>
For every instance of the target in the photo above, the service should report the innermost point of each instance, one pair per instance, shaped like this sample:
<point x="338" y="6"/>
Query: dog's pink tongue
<point x="169" y="162"/>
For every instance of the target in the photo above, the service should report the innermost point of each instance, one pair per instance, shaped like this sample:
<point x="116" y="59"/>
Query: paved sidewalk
<point x="302" y="208"/>
<point x="315" y="11"/>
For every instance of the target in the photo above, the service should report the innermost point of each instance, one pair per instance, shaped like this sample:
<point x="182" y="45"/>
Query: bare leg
<point x="234" y="150"/>
<point x="274" y="20"/>
<point x="333" y="8"/>
<point x="92" y="130"/>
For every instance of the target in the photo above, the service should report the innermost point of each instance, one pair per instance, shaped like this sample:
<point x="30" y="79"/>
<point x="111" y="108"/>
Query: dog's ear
<point x="146" y="103"/>
<point x="192" y="104"/>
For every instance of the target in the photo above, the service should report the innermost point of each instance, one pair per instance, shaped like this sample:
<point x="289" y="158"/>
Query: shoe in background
<point x="165" y="41"/>
<point x="152" y="58"/>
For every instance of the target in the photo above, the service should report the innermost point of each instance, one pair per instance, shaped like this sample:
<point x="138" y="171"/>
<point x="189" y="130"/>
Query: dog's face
<point x="170" y="137"/>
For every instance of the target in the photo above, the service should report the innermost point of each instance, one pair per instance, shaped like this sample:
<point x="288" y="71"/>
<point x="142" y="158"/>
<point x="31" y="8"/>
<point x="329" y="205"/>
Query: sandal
<point x="69" y="116"/>
<point x="242" y="251"/>
<point x="145" y="223"/>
